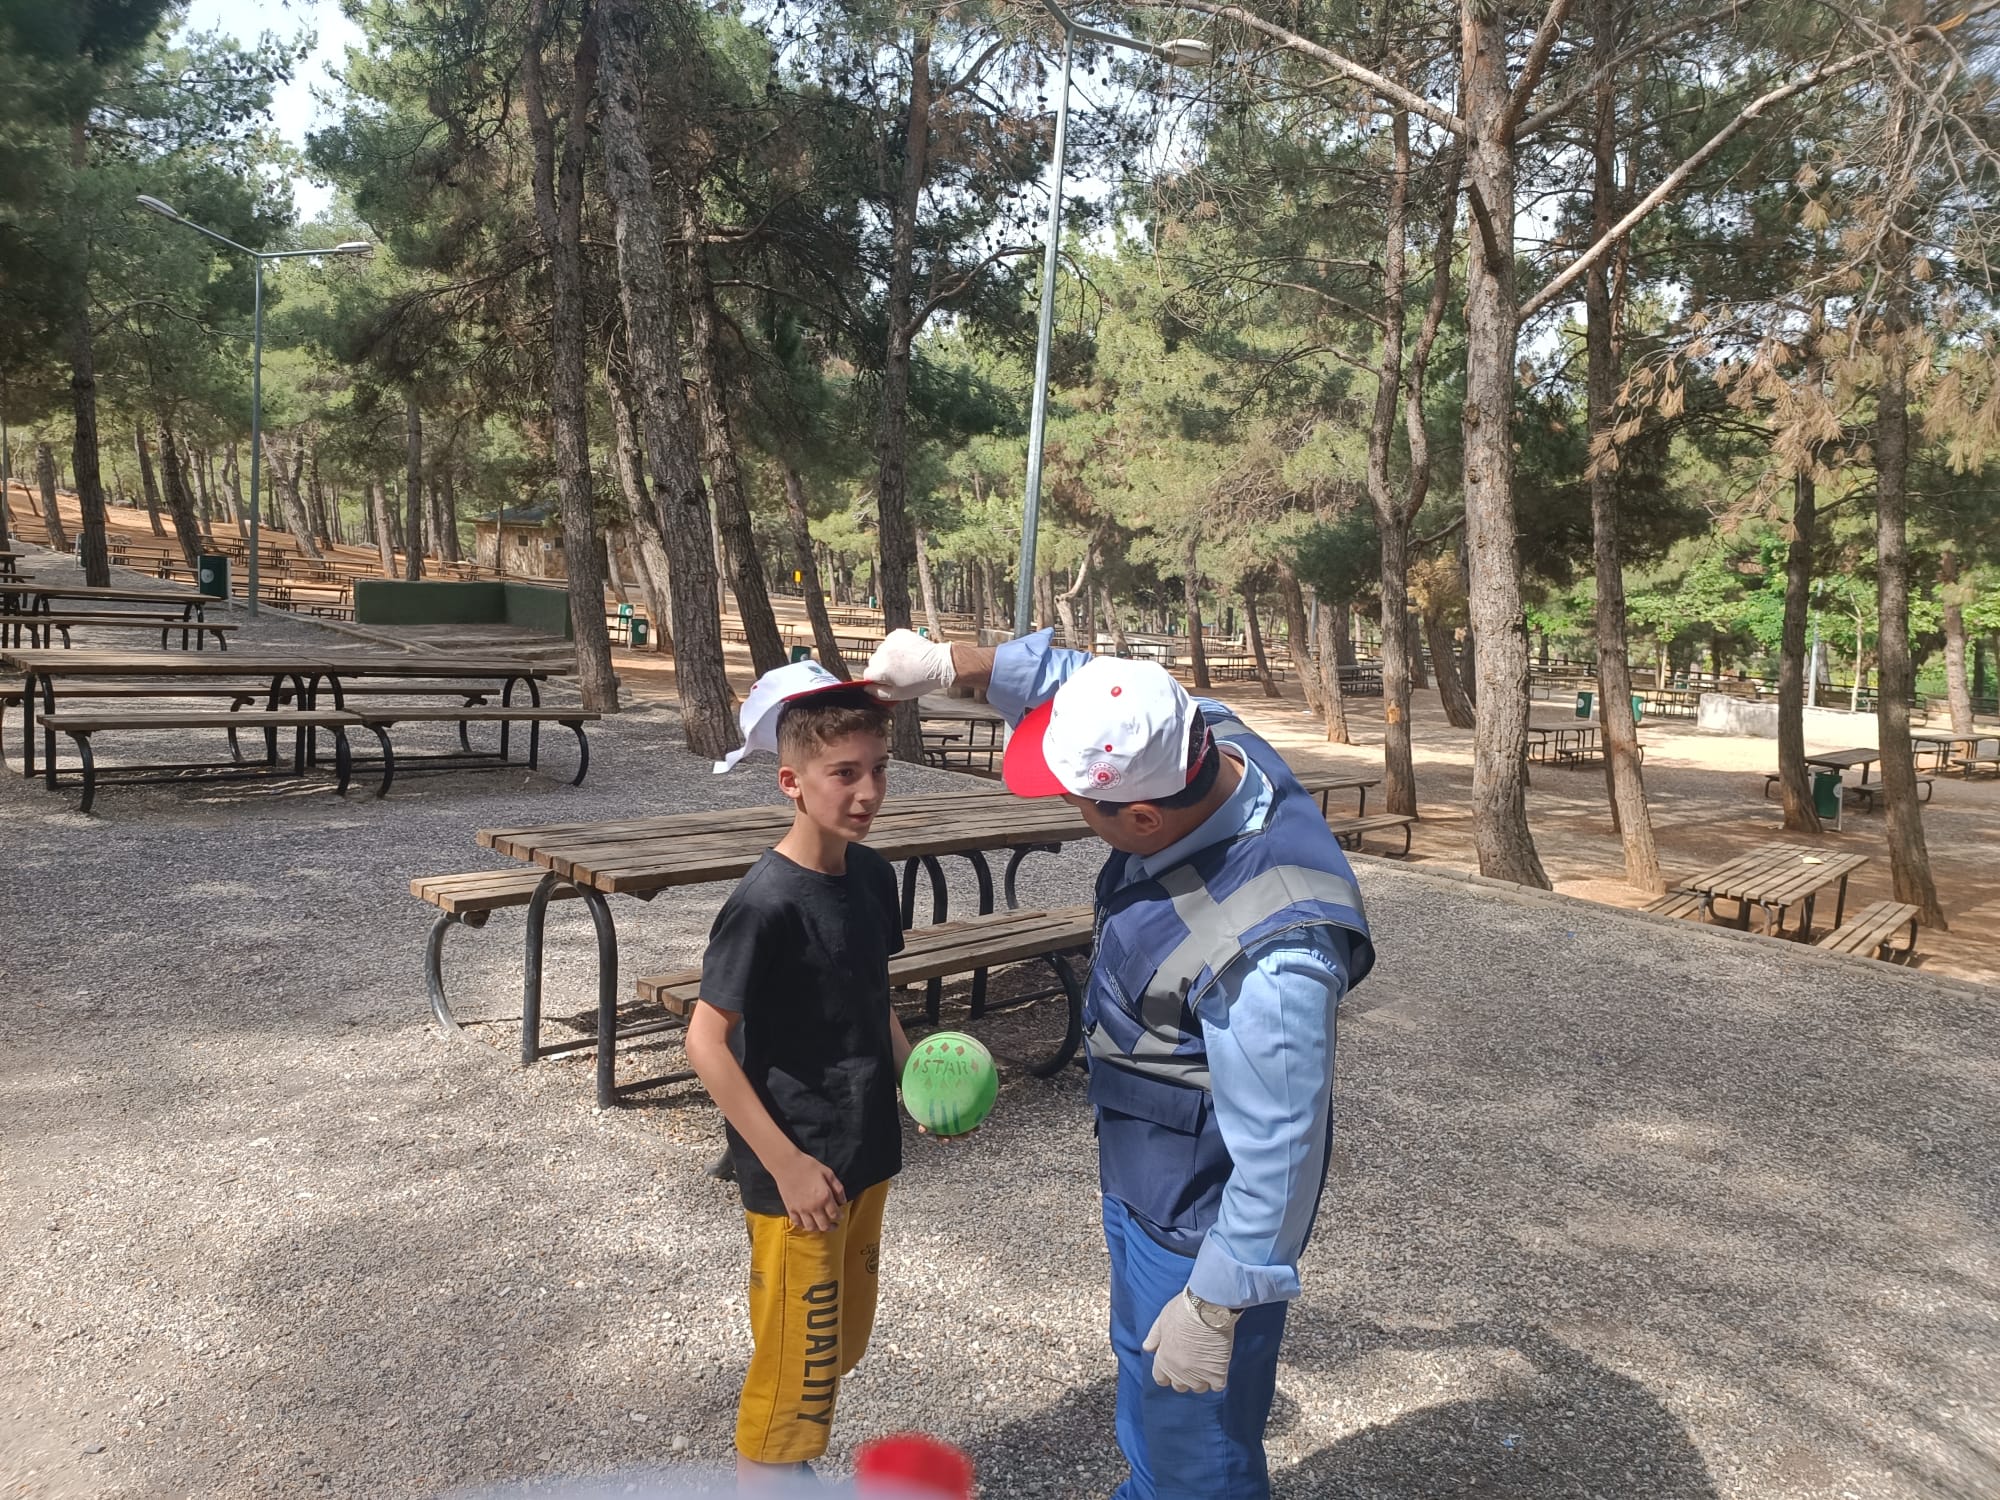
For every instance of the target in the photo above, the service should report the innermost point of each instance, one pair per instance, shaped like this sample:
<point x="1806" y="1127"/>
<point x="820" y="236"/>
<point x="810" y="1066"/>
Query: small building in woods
<point x="525" y="542"/>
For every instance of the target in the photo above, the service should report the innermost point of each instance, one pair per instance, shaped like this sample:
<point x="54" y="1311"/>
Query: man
<point x="1229" y="927"/>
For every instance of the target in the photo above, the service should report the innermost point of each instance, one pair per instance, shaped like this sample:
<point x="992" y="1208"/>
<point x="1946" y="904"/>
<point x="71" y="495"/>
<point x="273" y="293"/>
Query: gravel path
<point x="1619" y="1208"/>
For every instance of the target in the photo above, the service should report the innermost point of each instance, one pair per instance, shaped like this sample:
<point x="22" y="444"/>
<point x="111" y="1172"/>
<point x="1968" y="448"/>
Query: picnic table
<point x="982" y="730"/>
<point x="10" y="563"/>
<point x="1774" y="879"/>
<point x="644" y="856"/>
<point x="1844" y="760"/>
<point x="1942" y="744"/>
<point x="51" y="674"/>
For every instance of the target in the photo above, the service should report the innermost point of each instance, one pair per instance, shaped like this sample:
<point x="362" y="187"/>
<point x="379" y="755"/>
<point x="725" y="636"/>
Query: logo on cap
<point x="1103" y="775"/>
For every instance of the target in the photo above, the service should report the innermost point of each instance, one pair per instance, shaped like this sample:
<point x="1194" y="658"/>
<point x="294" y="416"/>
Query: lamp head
<point x="153" y="205"/>
<point x="354" y="247"/>
<point x="1186" y="52"/>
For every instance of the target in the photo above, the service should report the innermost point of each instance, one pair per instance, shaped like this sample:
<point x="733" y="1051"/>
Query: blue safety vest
<point x="1160" y="942"/>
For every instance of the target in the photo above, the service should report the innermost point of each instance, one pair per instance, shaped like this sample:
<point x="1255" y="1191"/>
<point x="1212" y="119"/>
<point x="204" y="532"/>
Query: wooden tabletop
<point x="1775" y="875"/>
<point x="259" y="664"/>
<point x="640" y="855"/>
<point x="643" y="855"/>
<point x="1841" y="760"/>
<point x="91" y="591"/>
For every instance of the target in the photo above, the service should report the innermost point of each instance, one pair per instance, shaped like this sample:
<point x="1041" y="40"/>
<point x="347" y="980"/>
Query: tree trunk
<point x="1256" y="634"/>
<point x="285" y="493"/>
<point x="198" y="461"/>
<point x="149" y="486"/>
<point x="1909" y="858"/>
<point x="1343" y="638"/>
<point x="1298" y="637"/>
<point x="1191" y="596"/>
<point x="1794" y="779"/>
<point x="45" y="476"/>
<point x="1334" y="700"/>
<point x="187" y="525"/>
<point x="559" y="211"/>
<point x="1066" y="601"/>
<point x="649" y="550"/>
<point x="1624" y="782"/>
<point x="1957" y="686"/>
<point x="385" y="527"/>
<point x="238" y="511"/>
<point x="927" y="584"/>
<point x="892" y="429"/>
<point x="315" y="500"/>
<point x="1458" y="710"/>
<point x="83" y="390"/>
<point x="725" y="474"/>
<point x="413" y="495"/>
<point x="1499" y="769"/>
<point x="1413" y="646"/>
<point x="448" y="514"/>
<point x="1399" y="771"/>
<point x="1114" y="622"/>
<point x="673" y="459"/>
<point x="824" y="645"/>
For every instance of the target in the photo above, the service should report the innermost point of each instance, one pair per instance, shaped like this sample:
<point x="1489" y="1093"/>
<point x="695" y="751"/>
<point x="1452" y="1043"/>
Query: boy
<point x="796" y="1042"/>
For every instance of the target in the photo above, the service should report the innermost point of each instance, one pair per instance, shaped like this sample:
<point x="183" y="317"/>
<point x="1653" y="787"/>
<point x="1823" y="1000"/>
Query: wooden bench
<point x="1866" y="794"/>
<point x="1350" y="830"/>
<point x="932" y="954"/>
<point x="1872" y="931"/>
<point x="1979" y="759"/>
<point x="38" y="627"/>
<point x="1677" y="904"/>
<point x="467" y="758"/>
<point x="82" y="725"/>
<point x="467" y="900"/>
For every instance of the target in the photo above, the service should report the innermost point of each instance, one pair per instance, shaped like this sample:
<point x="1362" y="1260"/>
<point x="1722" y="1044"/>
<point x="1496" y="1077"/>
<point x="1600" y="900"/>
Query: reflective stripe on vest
<point x="1217" y="934"/>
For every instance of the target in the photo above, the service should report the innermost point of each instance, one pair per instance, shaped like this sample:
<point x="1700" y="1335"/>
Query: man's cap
<point x="774" y="692"/>
<point x="1116" y="731"/>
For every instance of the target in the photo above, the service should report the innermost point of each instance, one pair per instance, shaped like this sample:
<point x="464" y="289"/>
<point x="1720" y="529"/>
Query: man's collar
<point x="1244" y="810"/>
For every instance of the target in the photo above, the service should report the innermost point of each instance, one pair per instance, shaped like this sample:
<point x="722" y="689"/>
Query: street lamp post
<point x="258" y="257"/>
<point x="1184" y="52"/>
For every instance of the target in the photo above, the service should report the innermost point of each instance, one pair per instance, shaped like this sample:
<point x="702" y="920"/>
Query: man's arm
<point x="1017" y="675"/>
<point x="1268" y="1023"/>
<point x="812" y="1193"/>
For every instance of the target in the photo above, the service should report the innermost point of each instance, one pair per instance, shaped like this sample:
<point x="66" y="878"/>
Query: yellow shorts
<point x="812" y="1307"/>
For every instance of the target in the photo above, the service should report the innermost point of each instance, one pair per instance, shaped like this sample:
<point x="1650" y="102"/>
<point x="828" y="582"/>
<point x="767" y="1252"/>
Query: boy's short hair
<point x="811" y="724"/>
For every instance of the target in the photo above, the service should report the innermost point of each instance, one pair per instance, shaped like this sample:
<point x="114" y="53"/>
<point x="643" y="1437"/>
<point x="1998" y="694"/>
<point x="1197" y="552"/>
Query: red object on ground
<point x="908" y="1462"/>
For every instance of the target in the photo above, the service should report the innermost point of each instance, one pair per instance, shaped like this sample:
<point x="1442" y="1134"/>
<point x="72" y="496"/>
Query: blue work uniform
<point x="1220" y="965"/>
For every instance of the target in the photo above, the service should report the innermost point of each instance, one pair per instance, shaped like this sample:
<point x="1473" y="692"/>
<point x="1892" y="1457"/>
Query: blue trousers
<point x="1206" y="1445"/>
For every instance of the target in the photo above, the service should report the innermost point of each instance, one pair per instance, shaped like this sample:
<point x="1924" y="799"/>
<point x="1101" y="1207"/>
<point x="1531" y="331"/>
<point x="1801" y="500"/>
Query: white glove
<point x="1187" y="1353"/>
<point x="906" y="666"/>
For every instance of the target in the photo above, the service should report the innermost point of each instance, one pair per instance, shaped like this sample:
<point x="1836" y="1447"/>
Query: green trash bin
<point x="1827" y="797"/>
<point x="802" y="653"/>
<point x="1584" y="699"/>
<point x="638" y="631"/>
<point x="212" y="575"/>
<point x="1638" y="708"/>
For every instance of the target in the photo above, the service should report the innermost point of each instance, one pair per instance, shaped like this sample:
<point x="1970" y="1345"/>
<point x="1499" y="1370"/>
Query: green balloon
<point x="950" y="1083"/>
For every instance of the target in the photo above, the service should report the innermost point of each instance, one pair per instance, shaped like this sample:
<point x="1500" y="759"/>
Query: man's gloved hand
<point x="1188" y="1353"/>
<point x="907" y="666"/>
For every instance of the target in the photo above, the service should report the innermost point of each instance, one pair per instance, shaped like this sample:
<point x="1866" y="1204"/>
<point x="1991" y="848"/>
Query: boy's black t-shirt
<point x="803" y="958"/>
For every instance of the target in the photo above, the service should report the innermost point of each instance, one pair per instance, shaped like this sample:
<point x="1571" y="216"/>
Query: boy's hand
<point x="812" y="1194"/>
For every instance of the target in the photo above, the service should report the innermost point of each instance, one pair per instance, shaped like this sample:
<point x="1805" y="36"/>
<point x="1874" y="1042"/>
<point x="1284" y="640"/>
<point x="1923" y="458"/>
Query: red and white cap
<point x="1116" y="731"/>
<point x="759" y="715"/>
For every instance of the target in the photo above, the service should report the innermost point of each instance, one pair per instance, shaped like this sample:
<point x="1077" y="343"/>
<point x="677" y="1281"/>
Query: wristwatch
<point x="1220" y="1318"/>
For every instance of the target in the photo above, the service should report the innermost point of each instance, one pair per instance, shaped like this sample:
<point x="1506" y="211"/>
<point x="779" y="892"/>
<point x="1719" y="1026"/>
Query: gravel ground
<point x="1619" y="1207"/>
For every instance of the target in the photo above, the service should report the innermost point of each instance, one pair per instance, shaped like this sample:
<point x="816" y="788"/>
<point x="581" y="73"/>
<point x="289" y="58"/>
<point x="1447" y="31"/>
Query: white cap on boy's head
<point x="1116" y="731"/>
<point x="759" y="715"/>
